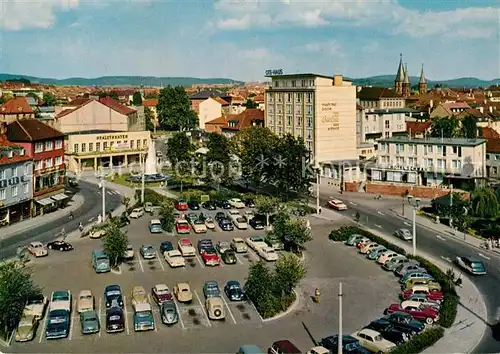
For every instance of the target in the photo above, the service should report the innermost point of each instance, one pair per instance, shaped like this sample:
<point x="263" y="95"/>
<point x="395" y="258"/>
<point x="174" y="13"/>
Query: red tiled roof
<point x="78" y="101"/>
<point x="31" y="130"/>
<point x="126" y="92"/>
<point x="238" y="98"/>
<point x="221" y="101"/>
<point x="453" y="105"/>
<point x="150" y="102"/>
<point x="493" y="145"/>
<point x="116" y="106"/>
<point x="259" y="99"/>
<point x="17" y="105"/>
<point x="418" y="127"/>
<point x="242" y="120"/>
<point x="65" y="112"/>
<point x="5" y="160"/>
<point x="488" y="133"/>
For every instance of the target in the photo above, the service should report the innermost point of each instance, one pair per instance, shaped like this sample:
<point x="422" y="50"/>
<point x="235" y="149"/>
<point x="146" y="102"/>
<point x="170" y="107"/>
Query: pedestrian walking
<point x="319" y="210"/>
<point x="71" y="216"/>
<point x="317" y="295"/>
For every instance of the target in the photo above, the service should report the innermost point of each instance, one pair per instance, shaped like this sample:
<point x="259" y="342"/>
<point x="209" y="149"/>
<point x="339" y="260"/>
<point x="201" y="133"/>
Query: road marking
<point x="100" y="312"/>
<point x="238" y="259"/>
<point x="440" y="237"/>
<point x="159" y="260"/>
<point x="447" y="259"/>
<point x="482" y="255"/>
<point x="228" y="309"/>
<point x="109" y="192"/>
<point x="380" y="213"/>
<point x="353" y="203"/>
<point x="140" y="263"/>
<point x="44" y="327"/>
<point x="178" y="313"/>
<point x="199" y="260"/>
<point x="379" y="226"/>
<point x="156" y="322"/>
<point x="407" y="223"/>
<point x="125" y="312"/>
<point x="71" y="322"/>
<point x="203" y="309"/>
<point x="92" y="218"/>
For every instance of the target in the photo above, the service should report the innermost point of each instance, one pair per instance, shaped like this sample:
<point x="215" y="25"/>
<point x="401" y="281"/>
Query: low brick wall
<point x="352" y="186"/>
<point x="418" y="192"/>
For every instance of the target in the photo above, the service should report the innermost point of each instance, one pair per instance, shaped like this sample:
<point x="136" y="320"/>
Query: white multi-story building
<point x="429" y="161"/>
<point x="493" y="159"/>
<point x="376" y="123"/>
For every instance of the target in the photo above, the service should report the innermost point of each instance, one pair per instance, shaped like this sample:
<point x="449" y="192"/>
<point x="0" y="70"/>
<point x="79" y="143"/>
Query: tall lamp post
<point x="317" y="169"/>
<point x="102" y="185"/>
<point x="415" y="203"/>
<point x="339" y="341"/>
<point x="143" y="177"/>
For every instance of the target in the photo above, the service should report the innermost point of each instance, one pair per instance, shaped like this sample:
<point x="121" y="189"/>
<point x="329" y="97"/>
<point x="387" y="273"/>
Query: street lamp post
<point x="102" y="178"/>
<point x="143" y="168"/>
<point x="318" y="181"/>
<point x="339" y="348"/>
<point x="415" y="206"/>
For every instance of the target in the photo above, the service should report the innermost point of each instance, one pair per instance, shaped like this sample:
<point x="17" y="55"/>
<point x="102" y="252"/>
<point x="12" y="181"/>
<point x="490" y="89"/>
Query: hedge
<point x="420" y="342"/>
<point x="153" y="197"/>
<point x="450" y="302"/>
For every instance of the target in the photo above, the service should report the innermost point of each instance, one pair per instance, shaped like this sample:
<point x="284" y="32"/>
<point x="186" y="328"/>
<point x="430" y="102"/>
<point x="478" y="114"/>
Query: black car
<point x="382" y="325"/>
<point x="233" y="291"/>
<point x="349" y="344"/>
<point x="219" y="216"/>
<point x="166" y="246"/>
<point x="404" y="320"/>
<point x="223" y="204"/>
<point x="115" y="320"/>
<point x="209" y="205"/>
<point x="72" y="182"/>
<point x="226" y="225"/>
<point x="256" y="223"/>
<point x="205" y="244"/>
<point x="113" y="296"/>
<point x="390" y="332"/>
<point x="59" y="245"/>
<point x="193" y="205"/>
<point x="249" y="203"/>
<point x="228" y="257"/>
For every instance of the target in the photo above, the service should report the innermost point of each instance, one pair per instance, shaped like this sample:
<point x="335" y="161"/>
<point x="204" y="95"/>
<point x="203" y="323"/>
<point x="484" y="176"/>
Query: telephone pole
<point x="339" y="349"/>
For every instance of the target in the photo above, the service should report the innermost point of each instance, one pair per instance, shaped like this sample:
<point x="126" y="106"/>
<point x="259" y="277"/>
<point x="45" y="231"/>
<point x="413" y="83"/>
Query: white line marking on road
<point x="238" y="259"/>
<point x="70" y="335"/>
<point x="380" y="213"/>
<point x="353" y="203"/>
<point x="199" y="260"/>
<point x="179" y="313"/>
<point x="379" y="226"/>
<point x="140" y="263"/>
<point x="100" y="313"/>
<point x="203" y="308"/>
<point x="228" y="309"/>
<point x="126" y="314"/>
<point x="407" y="223"/>
<point x="257" y="312"/>
<point x="482" y="255"/>
<point x="441" y="238"/>
<point x="109" y="192"/>
<point x="92" y="218"/>
<point x="447" y="259"/>
<point x="44" y="327"/>
<point x="161" y="263"/>
<point x="157" y="318"/>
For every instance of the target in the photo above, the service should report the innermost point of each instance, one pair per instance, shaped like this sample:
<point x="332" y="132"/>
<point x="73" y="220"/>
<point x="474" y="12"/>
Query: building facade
<point x="208" y="110"/>
<point x="14" y="109"/>
<point x="45" y="145"/>
<point x="201" y="96"/>
<point x="430" y="161"/>
<point x="319" y="109"/>
<point x="229" y="125"/>
<point x="381" y="123"/>
<point x="379" y="98"/>
<point x="493" y="159"/>
<point x="91" y="149"/>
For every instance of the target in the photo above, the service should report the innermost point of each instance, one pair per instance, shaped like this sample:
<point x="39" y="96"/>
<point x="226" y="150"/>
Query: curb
<point x="290" y="309"/>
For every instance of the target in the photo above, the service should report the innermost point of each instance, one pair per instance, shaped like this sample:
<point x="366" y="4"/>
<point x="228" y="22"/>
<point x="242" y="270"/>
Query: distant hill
<point x="381" y="80"/>
<point x="123" y="81"/>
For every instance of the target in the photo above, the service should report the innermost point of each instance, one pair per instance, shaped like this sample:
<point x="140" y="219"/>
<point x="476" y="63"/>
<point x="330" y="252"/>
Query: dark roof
<point x="376" y="93"/>
<point x="493" y="145"/>
<point x="418" y="127"/>
<point x="31" y="130"/>
<point x="203" y="95"/>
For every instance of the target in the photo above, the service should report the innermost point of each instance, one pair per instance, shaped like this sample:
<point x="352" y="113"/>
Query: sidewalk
<point x="11" y="230"/>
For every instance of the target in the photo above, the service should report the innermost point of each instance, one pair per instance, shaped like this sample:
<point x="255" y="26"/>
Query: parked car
<point x="405" y="262"/>
<point x="361" y="243"/>
<point x="249" y="203"/>
<point x="89" y="322"/>
<point x="274" y="242"/>
<point x="136" y="213"/>
<point x="425" y="291"/>
<point x="60" y="300"/>
<point x="193" y="205"/>
<point x="391" y="334"/>
<point x="35" y="306"/>
<point x="73" y="182"/>
<point x="250" y="349"/>
<point x="155" y="226"/>
<point x="240" y="223"/>
<point x="219" y="216"/>
<point x="367" y="248"/>
<point x="113" y="296"/>
<point x="161" y="293"/>
<point x="211" y="289"/>
<point x="394" y="262"/>
<point x="143" y="317"/>
<point x="382" y="325"/>
<point x="376" y="252"/>
<point x="234" y="291"/>
<point x="430" y="283"/>
<point x="353" y="240"/>
<point x="471" y="265"/>
<point x="233" y="214"/>
<point x="182" y="226"/>
<point x="284" y="346"/>
<point x="336" y="204"/>
<point x="168" y="313"/>
<point x="115" y="320"/>
<point x="426" y="314"/>
<point x="85" y="301"/>
<point x="318" y="350"/>
<point x="182" y="292"/>
<point x="404" y="320"/>
<point x="249" y="215"/>
<point x="238" y="245"/>
<point x="422" y="299"/>
<point x="404" y="234"/>
<point x="209" y="205"/>
<point x="268" y="254"/>
<point x="186" y="247"/>
<point x="215" y="308"/>
<point x="174" y="259"/>
<point x="256" y="223"/>
<point x="138" y="295"/>
<point x="223" y="204"/>
<point x="37" y="249"/>
<point x="415" y="275"/>
<point x="408" y="268"/>
<point x="386" y="257"/>
<point x="226" y="225"/>
<point x="181" y="205"/>
<point x="373" y="341"/>
<point x="199" y="226"/>
<point x="229" y="257"/>
<point x="58" y="324"/>
<point x="26" y="329"/>
<point x="210" y="223"/>
<point x="60" y="245"/>
<point x="433" y="305"/>
<point x="166" y="246"/>
<point x="236" y="203"/>
<point x="210" y="257"/>
<point x="96" y="232"/>
<point x="255" y="242"/>
<point x="204" y="243"/>
<point x="191" y="217"/>
<point x="350" y="345"/>
<point x="147" y="252"/>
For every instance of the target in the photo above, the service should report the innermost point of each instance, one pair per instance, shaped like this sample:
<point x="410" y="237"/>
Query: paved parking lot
<point x="368" y="291"/>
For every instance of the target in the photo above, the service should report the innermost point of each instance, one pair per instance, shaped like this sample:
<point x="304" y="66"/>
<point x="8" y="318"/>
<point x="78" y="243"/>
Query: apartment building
<point x="376" y="123"/>
<point x="429" y="161"/>
<point x="379" y="97"/>
<point x="493" y="158"/>
<point x="320" y="109"/>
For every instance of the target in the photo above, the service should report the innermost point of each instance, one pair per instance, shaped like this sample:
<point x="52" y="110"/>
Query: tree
<point x="16" y="286"/>
<point x="251" y="94"/>
<point x="151" y="95"/>
<point x="112" y="94"/>
<point x="469" y="127"/>
<point x="149" y="119"/>
<point x="49" y="99"/>
<point x="218" y="160"/>
<point x="266" y="205"/>
<point x="114" y="244"/>
<point x="251" y="104"/>
<point x="288" y="272"/>
<point x="167" y="216"/>
<point x="297" y="234"/>
<point x="485" y="203"/>
<point x="259" y="288"/>
<point x="137" y="99"/>
<point x="126" y="202"/>
<point x="446" y="127"/>
<point x="174" y="110"/>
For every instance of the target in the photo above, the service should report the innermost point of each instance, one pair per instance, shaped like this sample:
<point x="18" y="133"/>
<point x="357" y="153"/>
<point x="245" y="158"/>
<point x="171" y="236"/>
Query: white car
<point x="136" y="213"/>
<point x="268" y="254"/>
<point x="256" y="242"/>
<point x="210" y="223"/>
<point x="337" y="204"/>
<point x="35" y="306"/>
<point x="237" y="203"/>
<point x="186" y="247"/>
<point x="199" y="226"/>
<point x="240" y="223"/>
<point x="318" y="350"/>
<point x="174" y="259"/>
<point x="98" y="233"/>
<point x="238" y="245"/>
<point x="417" y="304"/>
<point x="60" y="300"/>
<point x="249" y="215"/>
<point x="37" y="249"/>
<point x="129" y="253"/>
<point x="85" y="301"/>
<point x="386" y="257"/>
<point x="233" y="214"/>
<point x="404" y="234"/>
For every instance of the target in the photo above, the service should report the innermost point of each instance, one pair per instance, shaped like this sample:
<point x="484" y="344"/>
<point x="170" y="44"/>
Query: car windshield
<point x="210" y="251"/>
<point x="240" y="220"/>
<point x="86" y="297"/>
<point x="185" y="242"/>
<point x="143" y="314"/>
<point x="199" y="222"/>
<point x="57" y="320"/>
<point x="378" y="338"/>
<point x="60" y="296"/>
<point x="352" y="346"/>
<point x="90" y="319"/>
<point x="234" y="287"/>
<point x="113" y="293"/>
<point x="25" y="322"/>
<point x="257" y="239"/>
<point x="477" y="265"/>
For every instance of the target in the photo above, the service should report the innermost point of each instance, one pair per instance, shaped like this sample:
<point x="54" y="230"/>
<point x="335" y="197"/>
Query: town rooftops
<point x="78" y="101"/>
<point x="203" y="95"/>
<point x="376" y="93"/>
<point x="455" y="105"/>
<point x="6" y="145"/>
<point x="116" y="106"/>
<point x="239" y="121"/>
<point x="221" y="101"/>
<point x="17" y="105"/>
<point x="303" y="76"/>
<point x="31" y="130"/>
<point x="418" y="127"/>
<point x="392" y="111"/>
<point x="433" y="141"/>
<point x="150" y="102"/>
<point x="488" y="133"/>
<point x="493" y="145"/>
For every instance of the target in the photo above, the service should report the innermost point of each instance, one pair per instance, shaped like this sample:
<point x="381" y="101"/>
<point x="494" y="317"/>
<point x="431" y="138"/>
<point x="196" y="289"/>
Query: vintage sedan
<point x="386" y="257"/>
<point x="115" y="320"/>
<point x="402" y="270"/>
<point x="193" y="205"/>
<point x="268" y="254"/>
<point x="199" y="226"/>
<point x="168" y="313"/>
<point x="222" y="246"/>
<point x="256" y="242"/>
<point x="186" y="247"/>
<point x="58" y="324"/>
<point x="249" y="203"/>
<point x="97" y="232"/>
<point x="420" y="313"/>
<point x="404" y="320"/>
<point x="174" y="259"/>
<point x="147" y="252"/>
<point x="166" y="246"/>
<point x="60" y="300"/>
<point x="37" y="249"/>
<point x="240" y="223"/>
<point x="424" y="303"/>
<point x="256" y="223"/>
<point x="249" y="215"/>
<point x="161" y="293"/>
<point x="471" y="265"/>
<point x="238" y="245"/>
<point x="205" y="243"/>
<point x="275" y="242"/>
<point x="350" y="345"/>
<point x="422" y="299"/>
<point x="223" y="204"/>
<point x="425" y="291"/>
<point x="35" y="306"/>
<point x="404" y="234"/>
<point x="382" y="325"/>
<point x="210" y="223"/>
<point x="211" y="289"/>
<point x="182" y="292"/>
<point x="181" y="205"/>
<point x="336" y="204"/>
<point x="209" y="205"/>
<point x="234" y="291"/>
<point x="89" y="322"/>
<point x="60" y="245"/>
<point x="210" y="257"/>
<point x="113" y="296"/>
<point x="182" y="226"/>
<point x="26" y="329"/>
<point x="136" y="213"/>
<point x="143" y="317"/>
<point x="236" y="203"/>
<point x="85" y="301"/>
<point x="394" y="263"/>
<point x="373" y="341"/>
<point x="129" y="253"/>
<point x="389" y="332"/>
<point x="354" y="239"/>
<point x="229" y="257"/>
<point x="226" y="225"/>
<point x="155" y="226"/>
<point x="367" y="248"/>
<point x="376" y="252"/>
<point x="138" y="295"/>
<point x="215" y="308"/>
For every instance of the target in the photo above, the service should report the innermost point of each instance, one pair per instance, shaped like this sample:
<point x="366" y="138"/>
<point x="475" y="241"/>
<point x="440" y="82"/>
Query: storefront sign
<point x="13" y="181"/>
<point x="112" y="137"/>
<point x="333" y="121"/>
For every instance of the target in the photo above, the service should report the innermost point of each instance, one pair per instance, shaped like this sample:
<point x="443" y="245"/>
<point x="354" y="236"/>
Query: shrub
<point x="420" y="342"/>
<point x="300" y="209"/>
<point x="448" y="311"/>
<point x="152" y="197"/>
<point x="192" y="195"/>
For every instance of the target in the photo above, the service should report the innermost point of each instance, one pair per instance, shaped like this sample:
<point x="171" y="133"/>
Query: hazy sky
<point x="241" y="39"/>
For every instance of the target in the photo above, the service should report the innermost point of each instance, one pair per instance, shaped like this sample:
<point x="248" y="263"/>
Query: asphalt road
<point x="91" y="207"/>
<point x="378" y="217"/>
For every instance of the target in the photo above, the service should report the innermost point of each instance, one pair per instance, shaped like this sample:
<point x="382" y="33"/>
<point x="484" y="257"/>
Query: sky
<point x="241" y="39"/>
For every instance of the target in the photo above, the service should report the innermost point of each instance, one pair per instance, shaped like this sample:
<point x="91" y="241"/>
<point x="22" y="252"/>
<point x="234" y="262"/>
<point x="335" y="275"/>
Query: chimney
<point x="481" y="109"/>
<point x="337" y="80"/>
<point x="491" y="109"/>
<point x="431" y="103"/>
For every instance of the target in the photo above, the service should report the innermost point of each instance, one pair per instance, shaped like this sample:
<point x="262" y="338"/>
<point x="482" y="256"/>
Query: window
<point x="84" y="147"/>
<point x="49" y="145"/>
<point x="289" y="130"/>
<point x="21" y="153"/>
<point x="58" y="160"/>
<point x="400" y="148"/>
<point x="38" y="165"/>
<point x="26" y="188"/>
<point x="487" y="156"/>
<point x="298" y="97"/>
<point x="48" y="163"/>
<point x="280" y="131"/>
<point x="298" y="121"/>
<point x="387" y="124"/>
<point x="3" y="194"/>
<point x="455" y="149"/>
<point x="439" y="149"/>
<point x="294" y="83"/>
<point x="27" y="171"/>
<point x="298" y="109"/>
<point x="132" y="144"/>
<point x="289" y="120"/>
<point x="454" y="164"/>
<point x="14" y="191"/>
<point x="111" y="145"/>
<point x="309" y="145"/>
<point x="298" y="132"/>
<point x="309" y="134"/>
<point x="459" y="151"/>
<point x="105" y="145"/>
<point x="75" y="148"/>
<point x="387" y="135"/>
<point x="288" y="109"/>
<point x="309" y="110"/>
<point x="2" y="174"/>
<point x="38" y="147"/>
<point x="13" y="172"/>
<point x="428" y="162"/>
<point x="59" y="144"/>
<point x="279" y="109"/>
<point x="311" y="82"/>
<point x="270" y="110"/>
<point x="303" y="83"/>
<point x="97" y="146"/>
<point x="91" y="146"/>
<point x="441" y="164"/>
<point x="145" y="143"/>
<point x="309" y="97"/>
<point x="280" y="97"/>
<point x="400" y="161"/>
<point x="270" y="97"/>
<point x="276" y="83"/>
<point x="309" y="122"/>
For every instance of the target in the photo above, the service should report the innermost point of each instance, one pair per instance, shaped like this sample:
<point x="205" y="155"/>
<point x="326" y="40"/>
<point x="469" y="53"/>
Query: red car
<point x="181" y="205"/>
<point x="210" y="257"/>
<point x="182" y="226"/>
<point x="420" y="313"/>
<point x="424" y="290"/>
<point x="161" y="293"/>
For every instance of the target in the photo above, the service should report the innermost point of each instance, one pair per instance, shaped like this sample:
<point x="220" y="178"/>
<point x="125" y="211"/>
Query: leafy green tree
<point x="288" y="272"/>
<point x="16" y="286"/>
<point x="251" y="104"/>
<point x="485" y="203"/>
<point x="178" y="148"/>
<point x="174" y="110"/>
<point x="149" y="119"/>
<point x="250" y="95"/>
<point x="280" y="226"/>
<point x="266" y="205"/>
<point x="49" y="99"/>
<point x="259" y="288"/>
<point x="469" y="127"/>
<point x="114" y="244"/>
<point x="218" y="169"/>
<point x="167" y="216"/>
<point x="137" y="99"/>
<point x="446" y="127"/>
<point x="297" y="234"/>
<point x="150" y="95"/>
<point x="126" y="202"/>
<point x="112" y="94"/>
<point x="2" y="99"/>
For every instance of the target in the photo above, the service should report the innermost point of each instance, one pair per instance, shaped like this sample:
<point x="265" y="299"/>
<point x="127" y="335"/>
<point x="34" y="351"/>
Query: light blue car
<point x="377" y="251"/>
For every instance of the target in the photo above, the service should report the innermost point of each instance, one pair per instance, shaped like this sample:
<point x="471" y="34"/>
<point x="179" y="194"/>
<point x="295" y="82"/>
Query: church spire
<point x="401" y="70"/>
<point x="422" y="76"/>
<point x="406" y="79"/>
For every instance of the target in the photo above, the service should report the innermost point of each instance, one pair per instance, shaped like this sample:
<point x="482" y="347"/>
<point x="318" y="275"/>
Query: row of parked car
<point x="200" y="223"/>
<point x="236" y="203"/>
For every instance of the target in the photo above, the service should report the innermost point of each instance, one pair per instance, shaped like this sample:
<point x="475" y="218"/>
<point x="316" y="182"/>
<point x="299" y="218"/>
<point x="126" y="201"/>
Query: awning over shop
<point x="59" y="197"/>
<point x="45" y="201"/>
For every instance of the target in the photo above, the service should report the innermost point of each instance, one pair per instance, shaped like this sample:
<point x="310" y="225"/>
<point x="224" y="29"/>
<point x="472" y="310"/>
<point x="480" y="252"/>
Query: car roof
<point x="138" y="288"/>
<point x="211" y="282"/>
<point x="114" y="311"/>
<point x="90" y="313"/>
<point x="233" y="282"/>
<point x="370" y="332"/>
<point x="250" y="349"/>
<point x="410" y="303"/>
<point x="420" y="287"/>
<point x="337" y="201"/>
<point x="182" y="285"/>
<point x="36" y="243"/>
<point x="112" y="287"/>
<point x="142" y="307"/>
<point x="238" y="239"/>
<point x="174" y="253"/>
<point x="288" y="346"/>
<point x="162" y="287"/>
<point x="155" y="221"/>
<point x="473" y="260"/>
<point x="85" y="292"/>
